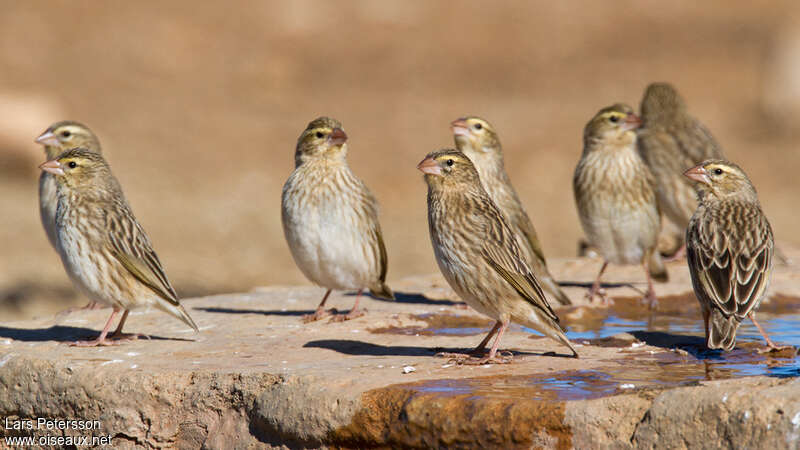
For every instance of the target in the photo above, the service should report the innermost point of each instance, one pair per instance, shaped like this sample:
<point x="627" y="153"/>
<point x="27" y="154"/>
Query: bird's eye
<point x="72" y="164"/>
<point x="478" y="126"/>
<point x="450" y="162"/>
<point x="614" y="119"/>
<point x="717" y="171"/>
<point x="319" y="135"/>
<point x="66" y="134"/>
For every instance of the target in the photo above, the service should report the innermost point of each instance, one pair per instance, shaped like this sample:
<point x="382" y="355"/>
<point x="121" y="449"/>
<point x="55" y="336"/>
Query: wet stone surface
<point x="257" y="375"/>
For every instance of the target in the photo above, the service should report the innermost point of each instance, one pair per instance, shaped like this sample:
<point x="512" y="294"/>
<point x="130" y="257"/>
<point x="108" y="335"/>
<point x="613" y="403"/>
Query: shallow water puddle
<point x="676" y="328"/>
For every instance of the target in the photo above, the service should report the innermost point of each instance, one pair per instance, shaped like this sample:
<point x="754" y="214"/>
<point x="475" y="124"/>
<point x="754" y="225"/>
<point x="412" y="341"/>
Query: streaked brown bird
<point x="330" y="219"/>
<point x="615" y="197"/>
<point x="729" y="248"/>
<point x="477" y="139"/>
<point x="671" y="141"/>
<point x="478" y="253"/>
<point x="56" y="139"/>
<point x="105" y="251"/>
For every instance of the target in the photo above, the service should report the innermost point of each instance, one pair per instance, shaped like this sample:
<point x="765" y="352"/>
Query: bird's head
<point x="65" y="135"/>
<point x="614" y="124"/>
<point x="722" y="179"/>
<point x="448" y="167"/>
<point x="661" y="101"/>
<point x="79" y="169"/>
<point x="473" y="134"/>
<point x="323" y="137"/>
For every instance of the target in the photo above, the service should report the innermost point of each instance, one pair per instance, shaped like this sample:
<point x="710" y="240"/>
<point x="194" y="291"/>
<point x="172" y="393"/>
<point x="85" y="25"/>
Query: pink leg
<point x="478" y="351"/>
<point x="119" y="335"/>
<point x="493" y="352"/>
<point x="354" y="312"/>
<point x="596" y="290"/>
<point x="101" y="340"/>
<point x="679" y="255"/>
<point x="770" y="344"/>
<point x="650" y="297"/>
<point x="320" y="312"/>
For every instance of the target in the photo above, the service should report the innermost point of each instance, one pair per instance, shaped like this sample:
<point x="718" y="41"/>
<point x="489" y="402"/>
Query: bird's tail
<point x="656" y="267"/>
<point x="552" y="288"/>
<point x="383" y="291"/>
<point x="178" y="312"/>
<point x="722" y="330"/>
<point x="550" y="328"/>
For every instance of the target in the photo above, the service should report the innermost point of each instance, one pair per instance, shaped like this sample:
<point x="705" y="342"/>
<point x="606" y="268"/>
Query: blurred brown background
<point x="198" y="107"/>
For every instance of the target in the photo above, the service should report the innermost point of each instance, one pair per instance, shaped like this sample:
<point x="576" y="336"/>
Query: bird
<point x="671" y="141"/>
<point x="476" y="138"/>
<point x="615" y="197"/>
<point x="105" y="251"/>
<point x="330" y="219"/>
<point x="730" y="249"/>
<point x="478" y="253"/>
<point x="57" y="138"/>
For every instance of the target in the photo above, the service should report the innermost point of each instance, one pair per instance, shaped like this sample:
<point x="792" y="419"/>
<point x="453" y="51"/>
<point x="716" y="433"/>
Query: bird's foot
<point x="603" y="298"/>
<point x="651" y="301"/>
<point x="104" y="342"/>
<point x="477" y="359"/>
<point x="787" y="351"/>
<point x="349" y="316"/>
<point x="318" y="314"/>
<point x="461" y="305"/>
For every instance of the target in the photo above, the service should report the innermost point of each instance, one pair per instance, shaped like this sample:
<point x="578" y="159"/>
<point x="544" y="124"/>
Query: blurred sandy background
<point x="198" y="107"/>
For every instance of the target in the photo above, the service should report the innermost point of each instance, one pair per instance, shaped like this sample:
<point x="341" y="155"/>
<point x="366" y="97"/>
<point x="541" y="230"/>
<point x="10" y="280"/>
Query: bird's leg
<point x="354" y="312"/>
<point x="677" y="256"/>
<point x="320" y="312"/>
<point x="478" y="351"/>
<point x="101" y="340"/>
<point x="770" y="345"/>
<point x="597" y="291"/>
<point x="493" y="352"/>
<point x="650" y="296"/>
<point x="119" y="335"/>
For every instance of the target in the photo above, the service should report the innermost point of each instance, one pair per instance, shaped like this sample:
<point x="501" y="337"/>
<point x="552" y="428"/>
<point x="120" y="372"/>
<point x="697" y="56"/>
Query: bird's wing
<point x="130" y="245"/>
<point x="734" y="270"/>
<point x="697" y="143"/>
<point x="501" y="252"/>
<point x="383" y="259"/>
<point x="522" y="222"/>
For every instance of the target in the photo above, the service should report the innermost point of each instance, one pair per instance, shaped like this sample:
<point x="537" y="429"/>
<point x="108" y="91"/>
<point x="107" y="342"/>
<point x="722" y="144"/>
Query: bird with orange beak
<point x="476" y="138"/>
<point x="729" y="247"/>
<point x="330" y="219"/>
<point x="479" y="255"/>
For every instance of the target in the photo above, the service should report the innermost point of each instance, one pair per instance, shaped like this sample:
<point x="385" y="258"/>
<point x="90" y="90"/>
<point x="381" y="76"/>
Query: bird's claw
<point x="790" y="351"/>
<point x="471" y="359"/>
<point x="349" y="316"/>
<point x="318" y="314"/>
<point x="605" y="300"/>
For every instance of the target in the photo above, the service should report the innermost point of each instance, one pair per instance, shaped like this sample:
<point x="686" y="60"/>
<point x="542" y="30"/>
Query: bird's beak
<point x="337" y="137"/>
<point x="47" y="138"/>
<point x="430" y="166"/>
<point x="698" y="173"/>
<point x="632" y="122"/>
<point x="460" y="127"/>
<point x="53" y="167"/>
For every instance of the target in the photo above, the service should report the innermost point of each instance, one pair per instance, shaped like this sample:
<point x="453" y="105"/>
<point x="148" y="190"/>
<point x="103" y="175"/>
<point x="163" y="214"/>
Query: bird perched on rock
<point x="615" y="197"/>
<point x="330" y="218"/>
<point x="671" y="141"/>
<point x="477" y="139"/>
<point x="105" y="251"/>
<point x="729" y="248"/>
<point x="478" y="253"/>
<point x="56" y="139"/>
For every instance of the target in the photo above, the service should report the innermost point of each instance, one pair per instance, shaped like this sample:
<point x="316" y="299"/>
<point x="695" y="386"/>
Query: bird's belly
<point x="328" y="247"/>
<point x="86" y="270"/>
<point x="622" y="235"/>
